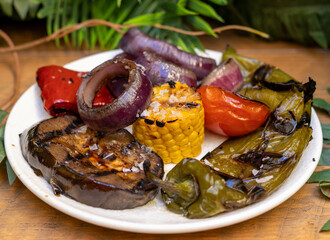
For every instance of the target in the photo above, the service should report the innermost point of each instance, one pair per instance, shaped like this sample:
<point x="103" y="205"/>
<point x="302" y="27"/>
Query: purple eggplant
<point x="100" y="169"/>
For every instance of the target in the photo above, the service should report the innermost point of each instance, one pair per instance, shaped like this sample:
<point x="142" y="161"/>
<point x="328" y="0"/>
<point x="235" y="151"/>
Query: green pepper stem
<point x="187" y="190"/>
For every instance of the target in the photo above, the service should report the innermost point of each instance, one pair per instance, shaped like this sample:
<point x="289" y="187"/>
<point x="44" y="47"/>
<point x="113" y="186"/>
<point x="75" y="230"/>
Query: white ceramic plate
<point x="153" y="217"/>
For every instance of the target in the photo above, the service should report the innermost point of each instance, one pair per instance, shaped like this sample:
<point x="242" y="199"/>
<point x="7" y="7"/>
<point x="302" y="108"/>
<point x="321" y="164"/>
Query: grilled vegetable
<point x="100" y="169"/>
<point x="196" y="191"/>
<point x="135" y="42"/>
<point x="229" y="114"/>
<point x="247" y="66"/>
<point x="242" y="170"/>
<point x="173" y="124"/>
<point x="160" y="71"/>
<point x="123" y="110"/>
<point x="227" y="76"/>
<point x="59" y="88"/>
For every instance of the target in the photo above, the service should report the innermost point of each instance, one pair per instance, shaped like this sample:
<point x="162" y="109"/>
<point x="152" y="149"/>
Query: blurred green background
<point x="302" y="21"/>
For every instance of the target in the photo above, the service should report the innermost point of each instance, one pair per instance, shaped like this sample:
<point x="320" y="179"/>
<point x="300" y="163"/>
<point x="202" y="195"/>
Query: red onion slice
<point x="160" y="71"/>
<point x="227" y="76"/>
<point x="135" y="42"/>
<point x="123" y="110"/>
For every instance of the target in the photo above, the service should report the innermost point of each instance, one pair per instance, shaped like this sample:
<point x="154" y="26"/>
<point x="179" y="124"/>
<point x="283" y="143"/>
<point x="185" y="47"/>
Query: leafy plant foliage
<point x="303" y="21"/>
<point x="177" y="13"/>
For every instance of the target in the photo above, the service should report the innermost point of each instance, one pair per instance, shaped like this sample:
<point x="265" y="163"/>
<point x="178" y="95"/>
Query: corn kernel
<point x="193" y="136"/>
<point x="167" y="137"/>
<point x="163" y="130"/>
<point x="188" y="131"/>
<point x="157" y="141"/>
<point x="173" y="126"/>
<point x="179" y="137"/>
<point x="183" y="142"/>
<point x="170" y="143"/>
<point x="173" y="148"/>
<point x="159" y="147"/>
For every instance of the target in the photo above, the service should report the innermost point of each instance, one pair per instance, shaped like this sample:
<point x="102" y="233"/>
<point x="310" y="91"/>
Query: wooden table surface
<point x="24" y="216"/>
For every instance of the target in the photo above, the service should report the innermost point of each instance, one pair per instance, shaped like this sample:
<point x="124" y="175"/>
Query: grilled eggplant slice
<point x="97" y="168"/>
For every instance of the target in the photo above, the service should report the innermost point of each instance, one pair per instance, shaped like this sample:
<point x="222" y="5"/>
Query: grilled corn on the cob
<point x="173" y="124"/>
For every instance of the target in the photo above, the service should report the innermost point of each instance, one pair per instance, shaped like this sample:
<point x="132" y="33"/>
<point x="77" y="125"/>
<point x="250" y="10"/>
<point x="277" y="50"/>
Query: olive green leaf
<point x="326" y="226"/>
<point x="325" y="158"/>
<point x="150" y="19"/>
<point x="219" y="2"/>
<point x="325" y="187"/>
<point x="2" y="147"/>
<point x="203" y="9"/>
<point x="3" y="114"/>
<point x="320" y="176"/>
<point x="326" y="133"/>
<point x="200" y="24"/>
<point x="22" y="8"/>
<point x="321" y="104"/>
<point x="328" y="89"/>
<point x="11" y="174"/>
<point x="176" y="8"/>
<point x="6" y="6"/>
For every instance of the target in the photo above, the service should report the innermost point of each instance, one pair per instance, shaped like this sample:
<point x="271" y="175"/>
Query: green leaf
<point x="22" y="8"/>
<point x="195" y="43"/>
<point x="150" y="19"/>
<point x="7" y="7"/>
<point x="83" y="33"/>
<point x="64" y="19"/>
<point x="56" y="25"/>
<point x="33" y="8"/>
<point x="11" y="174"/>
<point x="326" y="226"/>
<point x="50" y="16"/>
<point x="325" y="131"/>
<point x="3" y="114"/>
<point x="93" y="38"/>
<point x="204" y="9"/>
<point x="315" y="30"/>
<point x="219" y="2"/>
<point x="112" y="35"/>
<point x="176" y="8"/>
<point x="321" y="104"/>
<point x="143" y="7"/>
<point x="328" y="89"/>
<point x="200" y="24"/>
<point x="2" y="147"/>
<point x="325" y="158"/>
<point x="118" y="3"/>
<point x="324" y="187"/>
<point x="74" y="19"/>
<point x="182" y="3"/>
<point x="45" y="11"/>
<point x="320" y="176"/>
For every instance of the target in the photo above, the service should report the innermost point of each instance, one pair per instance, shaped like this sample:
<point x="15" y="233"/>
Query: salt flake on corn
<point x="173" y="124"/>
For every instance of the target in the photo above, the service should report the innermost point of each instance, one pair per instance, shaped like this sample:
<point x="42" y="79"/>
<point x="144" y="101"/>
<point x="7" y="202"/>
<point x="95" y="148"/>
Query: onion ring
<point x="124" y="110"/>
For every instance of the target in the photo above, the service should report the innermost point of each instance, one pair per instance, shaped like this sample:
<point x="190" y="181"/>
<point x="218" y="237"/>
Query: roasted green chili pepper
<point x="194" y="190"/>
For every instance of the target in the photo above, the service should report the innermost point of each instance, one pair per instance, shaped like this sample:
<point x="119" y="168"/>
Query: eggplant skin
<point x="96" y="168"/>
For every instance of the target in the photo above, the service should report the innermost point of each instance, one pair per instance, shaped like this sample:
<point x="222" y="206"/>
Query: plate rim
<point x="190" y="225"/>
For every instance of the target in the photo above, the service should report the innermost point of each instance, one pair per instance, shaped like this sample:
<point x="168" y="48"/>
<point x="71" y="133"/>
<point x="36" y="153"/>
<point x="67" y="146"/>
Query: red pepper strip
<point x="229" y="114"/>
<point x="59" y="88"/>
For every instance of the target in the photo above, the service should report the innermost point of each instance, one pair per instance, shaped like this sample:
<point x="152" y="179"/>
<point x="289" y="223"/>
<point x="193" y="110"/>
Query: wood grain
<point x="24" y="216"/>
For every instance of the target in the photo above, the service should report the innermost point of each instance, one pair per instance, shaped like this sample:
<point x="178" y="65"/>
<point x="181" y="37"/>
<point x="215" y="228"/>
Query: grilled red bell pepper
<point x="59" y="88"/>
<point x="229" y="114"/>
